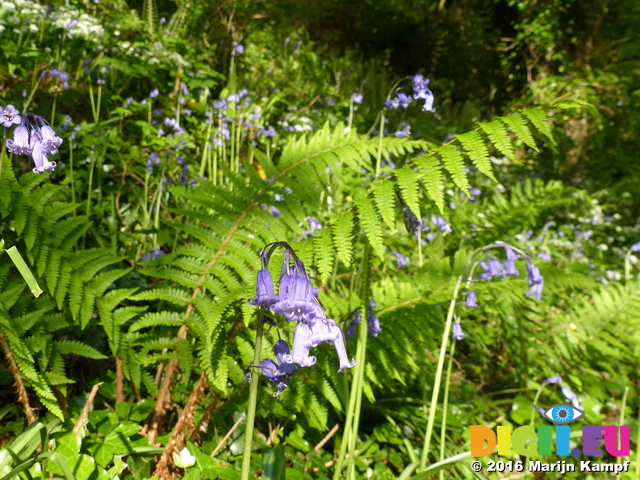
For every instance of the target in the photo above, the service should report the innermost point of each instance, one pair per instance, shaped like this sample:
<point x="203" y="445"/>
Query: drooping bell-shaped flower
<point x="510" y="265"/>
<point x="301" y="344"/>
<point x="457" y="332"/>
<point x="373" y="321"/>
<point x="265" y="296"/>
<point x="471" y="300"/>
<point x="20" y="143"/>
<point x="536" y="281"/>
<point x="296" y="299"/>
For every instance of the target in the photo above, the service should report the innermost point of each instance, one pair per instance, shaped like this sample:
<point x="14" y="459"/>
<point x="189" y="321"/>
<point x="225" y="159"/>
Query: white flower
<point x="185" y="459"/>
<point x="602" y="247"/>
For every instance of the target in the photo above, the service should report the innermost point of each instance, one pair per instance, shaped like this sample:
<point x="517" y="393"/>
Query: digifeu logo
<point x="522" y="440"/>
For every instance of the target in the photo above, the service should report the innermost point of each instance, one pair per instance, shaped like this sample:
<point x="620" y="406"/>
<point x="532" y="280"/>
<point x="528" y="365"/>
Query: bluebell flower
<point x="635" y="247"/>
<point x="471" y="300"/>
<point x="403" y="133"/>
<point x="357" y="98"/>
<point x="421" y="90"/>
<point x="279" y="372"/>
<point x="355" y="321"/>
<point x="9" y="116"/>
<point x="392" y="104"/>
<point x="274" y="211"/>
<point x="154" y="93"/>
<point x="372" y="320"/>
<point x="171" y="127"/>
<point x="566" y="391"/>
<point x="544" y="256"/>
<point x="314" y="225"/>
<point x="404" y="100"/>
<point x="236" y="49"/>
<point x="270" y="132"/>
<point x="401" y="260"/>
<point x="32" y="137"/>
<point x="233" y="98"/>
<point x="536" y="282"/>
<point x="411" y="222"/>
<point x="86" y="63"/>
<point x="457" y="332"/>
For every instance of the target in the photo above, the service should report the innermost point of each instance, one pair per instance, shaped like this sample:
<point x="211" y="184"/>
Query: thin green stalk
<point x="622" y="408"/>
<point x="97" y="118"/>
<point x="90" y="187"/>
<point x="438" y="377"/>
<point x="73" y="186"/>
<point x="523" y="352"/>
<point x="379" y="153"/>
<point x="445" y="406"/>
<point x="93" y="103"/>
<point x="205" y="149"/>
<point x="3" y="153"/>
<point x="350" y="434"/>
<point x="350" y="122"/>
<point x="253" y="400"/>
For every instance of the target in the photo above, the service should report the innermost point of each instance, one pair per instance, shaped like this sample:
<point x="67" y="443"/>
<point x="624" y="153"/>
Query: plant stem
<point x="380" y="137"/>
<point x="445" y="405"/>
<point x="3" y="153"/>
<point x="350" y="434"/>
<point x="253" y="400"/>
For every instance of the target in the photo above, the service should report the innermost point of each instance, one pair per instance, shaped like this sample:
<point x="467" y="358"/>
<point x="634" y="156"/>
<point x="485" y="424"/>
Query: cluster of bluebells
<point x="296" y="301"/>
<point x="31" y="136"/>
<point x="420" y="91"/>
<point x="569" y="395"/>
<point x="494" y="268"/>
<point x="373" y="322"/>
<point x="248" y="119"/>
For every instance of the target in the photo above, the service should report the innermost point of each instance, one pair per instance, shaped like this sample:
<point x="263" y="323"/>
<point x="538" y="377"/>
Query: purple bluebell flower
<point x="9" y="116"/>
<point x="220" y="104"/>
<point x="587" y="234"/>
<point x="218" y="142"/>
<point x="20" y="144"/>
<point x="171" y="127"/>
<point x="421" y="90"/>
<point x="265" y="295"/>
<point x="544" y="256"/>
<point x="471" y="300"/>
<point x="233" y="98"/>
<point x="355" y="321"/>
<point x="72" y="24"/>
<point x="509" y="264"/>
<point x="279" y="372"/>
<point x="372" y="320"/>
<point x="86" y="63"/>
<point x="474" y="192"/>
<point x="404" y="132"/>
<point x="357" y="98"/>
<point x="101" y="81"/>
<point x="33" y="136"/>
<point x="392" y="104"/>
<point x="401" y="259"/>
<point x="536" y="282"/>
<point x="236" y="49"/>
<point x="566" y="391"/>
<point x="163" y="20"/>
<point x="314" y="225"/>
<point x="274" y="211"/>
<point x="457" y="332"/>
<point x="270" y="132"/>
<point x="411" y="222"/>
<point x="404" y="100"/>
<point x="635" y="247"/>
<point x="154" y="93"/>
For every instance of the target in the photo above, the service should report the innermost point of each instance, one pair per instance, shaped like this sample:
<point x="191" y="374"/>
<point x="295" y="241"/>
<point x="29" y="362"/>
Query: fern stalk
<point x="253" y="400"/>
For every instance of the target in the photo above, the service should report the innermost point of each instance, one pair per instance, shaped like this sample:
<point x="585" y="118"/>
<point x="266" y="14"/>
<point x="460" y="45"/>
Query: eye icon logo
<point x="563" y="414"/>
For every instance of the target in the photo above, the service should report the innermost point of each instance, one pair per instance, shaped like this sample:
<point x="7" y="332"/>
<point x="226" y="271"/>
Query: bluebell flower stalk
<point x="535" y="284"/>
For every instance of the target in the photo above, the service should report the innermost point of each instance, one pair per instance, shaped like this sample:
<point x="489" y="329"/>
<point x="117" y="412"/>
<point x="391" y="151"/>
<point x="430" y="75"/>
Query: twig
<point x="226" y="437"/>
<point x="14" y="370"/>
<point x="176" y="442"/>
<point x="119" y="381"/>
<point x="326" y="438"/>
<point x="82" y="420"/>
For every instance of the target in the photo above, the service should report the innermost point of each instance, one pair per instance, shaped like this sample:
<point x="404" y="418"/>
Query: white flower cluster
<point x="159" y="54"/>
<point x="27" y="15"/>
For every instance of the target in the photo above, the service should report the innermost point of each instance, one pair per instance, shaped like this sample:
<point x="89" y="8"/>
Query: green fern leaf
<point x="538" y="117"/>
<point x="370" y="223"/>
<point x="478" y="152"/>
<point x="499" y="136"/>
<point x="408" y="182"/>
<point x="323" y="251"/>
<point x="518" y="125"/>
<point x="342" y="236"/>
<point x="429" y="167"/>
<point x="384" y="194"/>
<point x="454" y="163"/>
